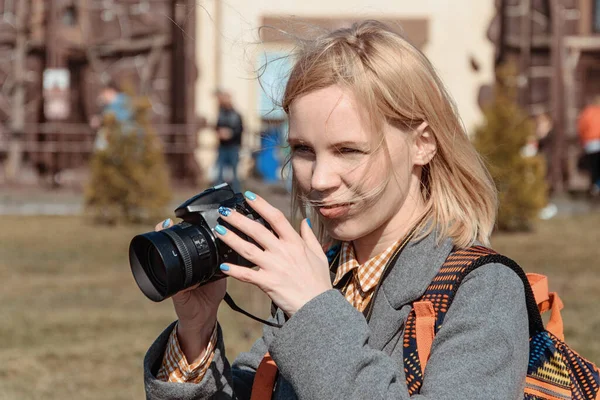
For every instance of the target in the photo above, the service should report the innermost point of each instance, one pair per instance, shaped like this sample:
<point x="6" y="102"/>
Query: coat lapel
<point x="415" y="268"/>
<point x="385" y="321"/>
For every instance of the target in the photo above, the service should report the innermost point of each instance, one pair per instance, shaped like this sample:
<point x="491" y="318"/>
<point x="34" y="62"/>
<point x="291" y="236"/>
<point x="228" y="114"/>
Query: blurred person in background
<point x="544" y="134"/>
<point x="113" y="101"/>
<point x="588" y="128"/>
<point x="229" y="130"/>
<point x="386" y="186"/>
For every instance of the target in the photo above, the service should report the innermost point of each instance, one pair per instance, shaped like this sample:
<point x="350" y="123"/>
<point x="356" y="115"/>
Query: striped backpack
<point x="555" y="371"/>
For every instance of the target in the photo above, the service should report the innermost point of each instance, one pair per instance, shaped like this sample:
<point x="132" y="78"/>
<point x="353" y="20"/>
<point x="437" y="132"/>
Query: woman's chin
<point x="342" y="230"/>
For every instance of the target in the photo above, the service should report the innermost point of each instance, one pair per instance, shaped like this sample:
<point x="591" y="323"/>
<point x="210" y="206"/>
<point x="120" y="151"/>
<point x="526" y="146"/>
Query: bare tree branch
<point x="132" y="46"/>
<point x="151" y="63"/>
<point x="124" y="23"/>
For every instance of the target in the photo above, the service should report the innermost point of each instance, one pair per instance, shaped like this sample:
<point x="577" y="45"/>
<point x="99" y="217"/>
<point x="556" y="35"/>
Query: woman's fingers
<point x="240" y="273"/>
<point x="273" y="216"/>
<point x="167" y="223"/>
<point x="242" y="247"/>
<point x="261" y="235"/>
<point x="310" y="239"/>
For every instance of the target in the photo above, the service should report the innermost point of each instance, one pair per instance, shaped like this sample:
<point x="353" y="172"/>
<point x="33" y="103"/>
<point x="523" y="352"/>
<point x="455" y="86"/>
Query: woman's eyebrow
<point x="293" y="141"/>
<point x="337" y="145"/>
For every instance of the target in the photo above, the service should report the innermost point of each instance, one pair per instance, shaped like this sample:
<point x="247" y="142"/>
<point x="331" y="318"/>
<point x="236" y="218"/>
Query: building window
<point x="274" y="69"/>
<point x="69" y="17"/>
<point x="596" y="21"/>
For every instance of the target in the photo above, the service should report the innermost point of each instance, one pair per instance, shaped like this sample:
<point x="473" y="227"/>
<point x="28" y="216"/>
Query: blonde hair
<point x="396" y="83"/>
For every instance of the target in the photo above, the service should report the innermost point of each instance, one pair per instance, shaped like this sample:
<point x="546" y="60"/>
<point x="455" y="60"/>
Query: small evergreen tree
<point x="129" y="179"/>
<point x="500" y="140"/>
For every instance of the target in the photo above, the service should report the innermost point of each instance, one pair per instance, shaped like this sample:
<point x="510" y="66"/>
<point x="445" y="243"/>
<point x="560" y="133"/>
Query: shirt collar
<point x="367" y="274"/>
<point x="347" y="262"/>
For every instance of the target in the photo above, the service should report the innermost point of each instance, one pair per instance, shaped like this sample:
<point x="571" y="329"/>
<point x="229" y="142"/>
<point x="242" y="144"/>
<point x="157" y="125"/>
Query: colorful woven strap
<point x="421" y="325"/>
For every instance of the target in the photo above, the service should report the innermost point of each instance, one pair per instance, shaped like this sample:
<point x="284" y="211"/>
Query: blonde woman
<point x="383" y="168"/>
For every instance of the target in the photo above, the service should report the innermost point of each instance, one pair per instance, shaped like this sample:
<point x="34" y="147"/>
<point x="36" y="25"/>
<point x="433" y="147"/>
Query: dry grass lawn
<point x="75" y="325"/>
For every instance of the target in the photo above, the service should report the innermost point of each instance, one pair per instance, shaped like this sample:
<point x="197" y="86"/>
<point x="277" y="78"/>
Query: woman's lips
<point x="336" y="211"/>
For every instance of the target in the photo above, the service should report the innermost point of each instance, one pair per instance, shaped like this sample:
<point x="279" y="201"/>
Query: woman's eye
<point x="301" y="149"/>
<point x="349" y="150"/>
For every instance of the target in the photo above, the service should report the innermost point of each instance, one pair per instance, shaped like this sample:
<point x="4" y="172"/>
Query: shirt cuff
<point x="175" y="367"/>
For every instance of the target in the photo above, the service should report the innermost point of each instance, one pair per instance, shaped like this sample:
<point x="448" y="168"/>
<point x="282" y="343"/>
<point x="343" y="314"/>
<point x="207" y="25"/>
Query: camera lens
<point x="157" y="267"/>
<point x="168" y="261"/>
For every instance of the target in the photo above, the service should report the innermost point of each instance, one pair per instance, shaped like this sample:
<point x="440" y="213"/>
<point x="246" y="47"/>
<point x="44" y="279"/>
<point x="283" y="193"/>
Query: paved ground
<point x="36" y="200"/>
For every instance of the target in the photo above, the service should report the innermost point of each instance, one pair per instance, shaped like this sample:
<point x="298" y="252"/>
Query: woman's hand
<point x="292" y="268"/>
<point x="196" y="309"/>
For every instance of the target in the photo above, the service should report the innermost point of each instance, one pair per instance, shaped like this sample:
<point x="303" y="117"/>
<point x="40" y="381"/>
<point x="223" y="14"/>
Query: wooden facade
<point x="555" y="44"/>
<point x="146" y="44"/>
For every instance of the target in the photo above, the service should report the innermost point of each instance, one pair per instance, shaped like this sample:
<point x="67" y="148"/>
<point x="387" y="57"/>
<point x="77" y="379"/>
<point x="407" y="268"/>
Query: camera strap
<point x="237" y="308"/>
<point x="333" y="257"/>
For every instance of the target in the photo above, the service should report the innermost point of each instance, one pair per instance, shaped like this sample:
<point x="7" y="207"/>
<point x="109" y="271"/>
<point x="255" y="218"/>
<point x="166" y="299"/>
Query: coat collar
<point x="415" y="268"/>
<point x="407" y="281"/>
<point x="413" y="271"/>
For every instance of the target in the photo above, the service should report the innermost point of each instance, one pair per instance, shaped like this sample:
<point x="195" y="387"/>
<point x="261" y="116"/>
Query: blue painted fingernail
<point x="308" y="222"/>
<point x="249" y="195"/>
<point x="166" y="223"/>
<point x="224" y="211"/>
<point x="224" y="267"/>
<point x="220" y="229"/>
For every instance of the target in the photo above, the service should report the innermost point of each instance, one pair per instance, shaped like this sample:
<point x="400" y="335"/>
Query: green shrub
<point x="129" y="180"/>
<point x="522" y="189"/>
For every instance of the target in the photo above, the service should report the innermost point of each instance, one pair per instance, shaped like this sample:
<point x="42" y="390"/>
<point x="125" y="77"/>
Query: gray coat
<point x="327" y="350"/>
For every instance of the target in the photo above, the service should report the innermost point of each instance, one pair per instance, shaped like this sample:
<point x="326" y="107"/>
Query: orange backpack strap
<point x="539" y="286"/>
<point x="264" y="379"/>
<point x="424" y="329"/>
<point x="418" y="335"/>
<point x="547" y="301"/>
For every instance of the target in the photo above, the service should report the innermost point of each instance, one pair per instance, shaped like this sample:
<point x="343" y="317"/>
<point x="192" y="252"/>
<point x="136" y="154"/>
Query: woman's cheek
<point x="302" y="171"/>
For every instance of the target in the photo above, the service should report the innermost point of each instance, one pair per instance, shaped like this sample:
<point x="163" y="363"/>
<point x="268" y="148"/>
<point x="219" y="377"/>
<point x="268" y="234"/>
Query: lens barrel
<point x="168" y="261"/>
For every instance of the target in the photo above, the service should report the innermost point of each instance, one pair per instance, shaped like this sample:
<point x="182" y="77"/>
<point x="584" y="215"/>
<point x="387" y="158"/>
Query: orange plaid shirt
<point x="175" y="367"/>
<point x="358" y="292"/>
<point x="361" y="286"/>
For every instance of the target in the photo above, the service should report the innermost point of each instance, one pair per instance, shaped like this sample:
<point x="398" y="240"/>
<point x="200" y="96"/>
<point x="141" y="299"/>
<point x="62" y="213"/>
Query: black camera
<point x="166" y="262"/>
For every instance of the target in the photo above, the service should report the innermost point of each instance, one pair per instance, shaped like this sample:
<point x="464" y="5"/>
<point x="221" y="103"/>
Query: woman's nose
<point x="324" y="176"/>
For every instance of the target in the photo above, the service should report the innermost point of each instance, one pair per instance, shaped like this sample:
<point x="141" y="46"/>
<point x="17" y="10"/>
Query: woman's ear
<point x="425" y="146"/>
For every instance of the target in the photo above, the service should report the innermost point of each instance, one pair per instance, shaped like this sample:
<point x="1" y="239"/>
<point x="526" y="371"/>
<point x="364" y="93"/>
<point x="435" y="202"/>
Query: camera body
<point x="165" y="262"/>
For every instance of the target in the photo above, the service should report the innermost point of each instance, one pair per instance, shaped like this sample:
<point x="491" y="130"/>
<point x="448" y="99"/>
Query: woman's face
<point x="339" y="163"/>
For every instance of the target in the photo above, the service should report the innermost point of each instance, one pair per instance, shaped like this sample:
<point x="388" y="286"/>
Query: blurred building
<point x="451" y="33"/>
<point x="56" y="55"/>
<point x="553" y="43"/>
<point x="532" y="33"/>
<point x="179" y="52"/>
